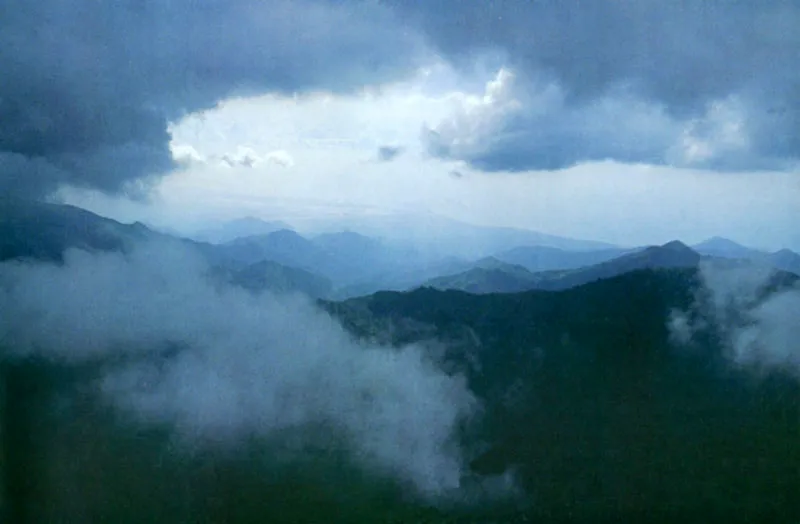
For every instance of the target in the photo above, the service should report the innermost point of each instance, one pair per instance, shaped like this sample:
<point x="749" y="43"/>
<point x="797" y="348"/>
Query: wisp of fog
<point x="241" y="365"/>
<point x="759" y="329"/>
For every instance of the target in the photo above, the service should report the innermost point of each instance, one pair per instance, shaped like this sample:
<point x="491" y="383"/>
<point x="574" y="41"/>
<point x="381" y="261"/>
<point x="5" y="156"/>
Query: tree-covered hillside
<point x="594" y="407"/>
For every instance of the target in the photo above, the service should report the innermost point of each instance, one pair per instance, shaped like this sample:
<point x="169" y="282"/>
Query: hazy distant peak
<point x="716" y="239"/>
<point x="677" y="245"/>
<point x="494" y="263"/>
<point x="724" y="247"/>
<point x="247" y="220"/>
<point x="346" y="236"/>
<point x="285" y="233"/>
<point x="785" y="252"/>
<point x="785" y="259"/>
<point x="721" y="243"/>
<point x="490" y="261"/>
<point x="671" y="254"/>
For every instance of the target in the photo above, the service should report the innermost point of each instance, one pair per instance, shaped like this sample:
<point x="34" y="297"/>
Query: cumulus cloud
<point x="517" y="126"/>
<point x="730" y="67"/>
<point x="243" y="157"/>
<point x="759" y="328"/>
<point x="186" y="155"/>
<point x="280" y="158"/>
<point x="219" y="365"/>
<point x="89" y="88"/>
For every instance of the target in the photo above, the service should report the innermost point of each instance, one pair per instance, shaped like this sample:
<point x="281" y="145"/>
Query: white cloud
<point x="529" y="125"/>
<point x="362" y="122"/>
<point x="330" y="143"/>
<point x="758" y="330"/>
<point x="243" y="157"/>
<point x="186" y="155"/>
<point x="245" y="366"/>
<point x="719" y="136"/>
<point x="280" y="158"/>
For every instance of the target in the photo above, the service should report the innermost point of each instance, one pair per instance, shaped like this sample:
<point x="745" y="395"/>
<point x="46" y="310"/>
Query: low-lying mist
<point x="220" y="365"/>
<point x="759" y="329"/>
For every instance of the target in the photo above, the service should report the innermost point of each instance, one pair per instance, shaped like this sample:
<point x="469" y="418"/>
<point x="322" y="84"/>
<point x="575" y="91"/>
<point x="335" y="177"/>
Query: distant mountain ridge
<point x="347" y="263"/>
<point x="344" y="257"/>
<point x="240" y="227"/>
<point x="506" y="278"/>
<point x="43" y="231"/>
<point x="784" y="259"/>
<point x="544" y="258"/>
<point x="267" y="275"/>
<point x="441" y="236"/>
<point x="725" y="248"/>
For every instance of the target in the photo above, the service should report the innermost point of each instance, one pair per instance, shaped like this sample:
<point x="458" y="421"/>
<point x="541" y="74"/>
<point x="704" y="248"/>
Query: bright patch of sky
<point x="324" y="155"/>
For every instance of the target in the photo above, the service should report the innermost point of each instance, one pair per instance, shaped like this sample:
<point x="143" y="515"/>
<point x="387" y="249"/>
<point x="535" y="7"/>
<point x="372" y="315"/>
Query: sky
<point x="627" y="122"/>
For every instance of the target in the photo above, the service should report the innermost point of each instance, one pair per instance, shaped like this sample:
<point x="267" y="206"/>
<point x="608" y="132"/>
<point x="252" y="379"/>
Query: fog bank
<point x="758" y="329"/>
<point x="220" y="365"/>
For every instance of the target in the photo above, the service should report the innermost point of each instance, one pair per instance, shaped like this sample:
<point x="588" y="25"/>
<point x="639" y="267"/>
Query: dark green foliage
<point x="600" y="415"/>
<point x="73" y="459"/>
<point x="585" y="398"/>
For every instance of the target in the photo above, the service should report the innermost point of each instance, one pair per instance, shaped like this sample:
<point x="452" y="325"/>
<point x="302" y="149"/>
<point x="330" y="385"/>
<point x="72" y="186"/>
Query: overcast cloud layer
<point x="720" y="78"/>
<point x="89" y="88"/>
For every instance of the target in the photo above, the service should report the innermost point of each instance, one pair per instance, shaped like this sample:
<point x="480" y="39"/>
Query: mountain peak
<point x="285" y="232"/>
<point x="725" y="248"/>
<point x="238" y="228"/>
<point x="676" y="245"/>
<point x="718" y="242"/>
<point x="671" y="254"/>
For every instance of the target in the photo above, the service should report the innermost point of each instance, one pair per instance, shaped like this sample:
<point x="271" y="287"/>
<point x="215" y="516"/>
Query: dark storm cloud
<point x="389" y="153"/>
<point x="517" y="127"/>
<point x="679" y="57"/>
<point x="88" y="87"/>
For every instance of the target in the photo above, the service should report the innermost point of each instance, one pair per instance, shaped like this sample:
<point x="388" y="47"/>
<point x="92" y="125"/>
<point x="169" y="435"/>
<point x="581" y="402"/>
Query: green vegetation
<point x="594" y="408"/>
<point x="598" y="415"/>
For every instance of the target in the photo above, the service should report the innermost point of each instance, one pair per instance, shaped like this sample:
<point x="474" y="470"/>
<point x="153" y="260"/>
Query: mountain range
<point x="591" y="403"/>
<point x="537" y="258"/>
<point x="437" y="236"/>
<point x="347" y="264"/>
<point x="586" y="399"/>
<point x="240" y="227"/>
<point x="493" y="276"/>
<point x="45" y="231"/>
<point x="783" y="259"/>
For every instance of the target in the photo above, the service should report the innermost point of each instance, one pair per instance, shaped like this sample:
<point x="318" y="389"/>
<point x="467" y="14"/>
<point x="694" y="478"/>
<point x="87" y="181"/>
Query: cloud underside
<point x="89" y="89"/>
<point x="532" y="125"/>
<point x="710" y="84"/>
